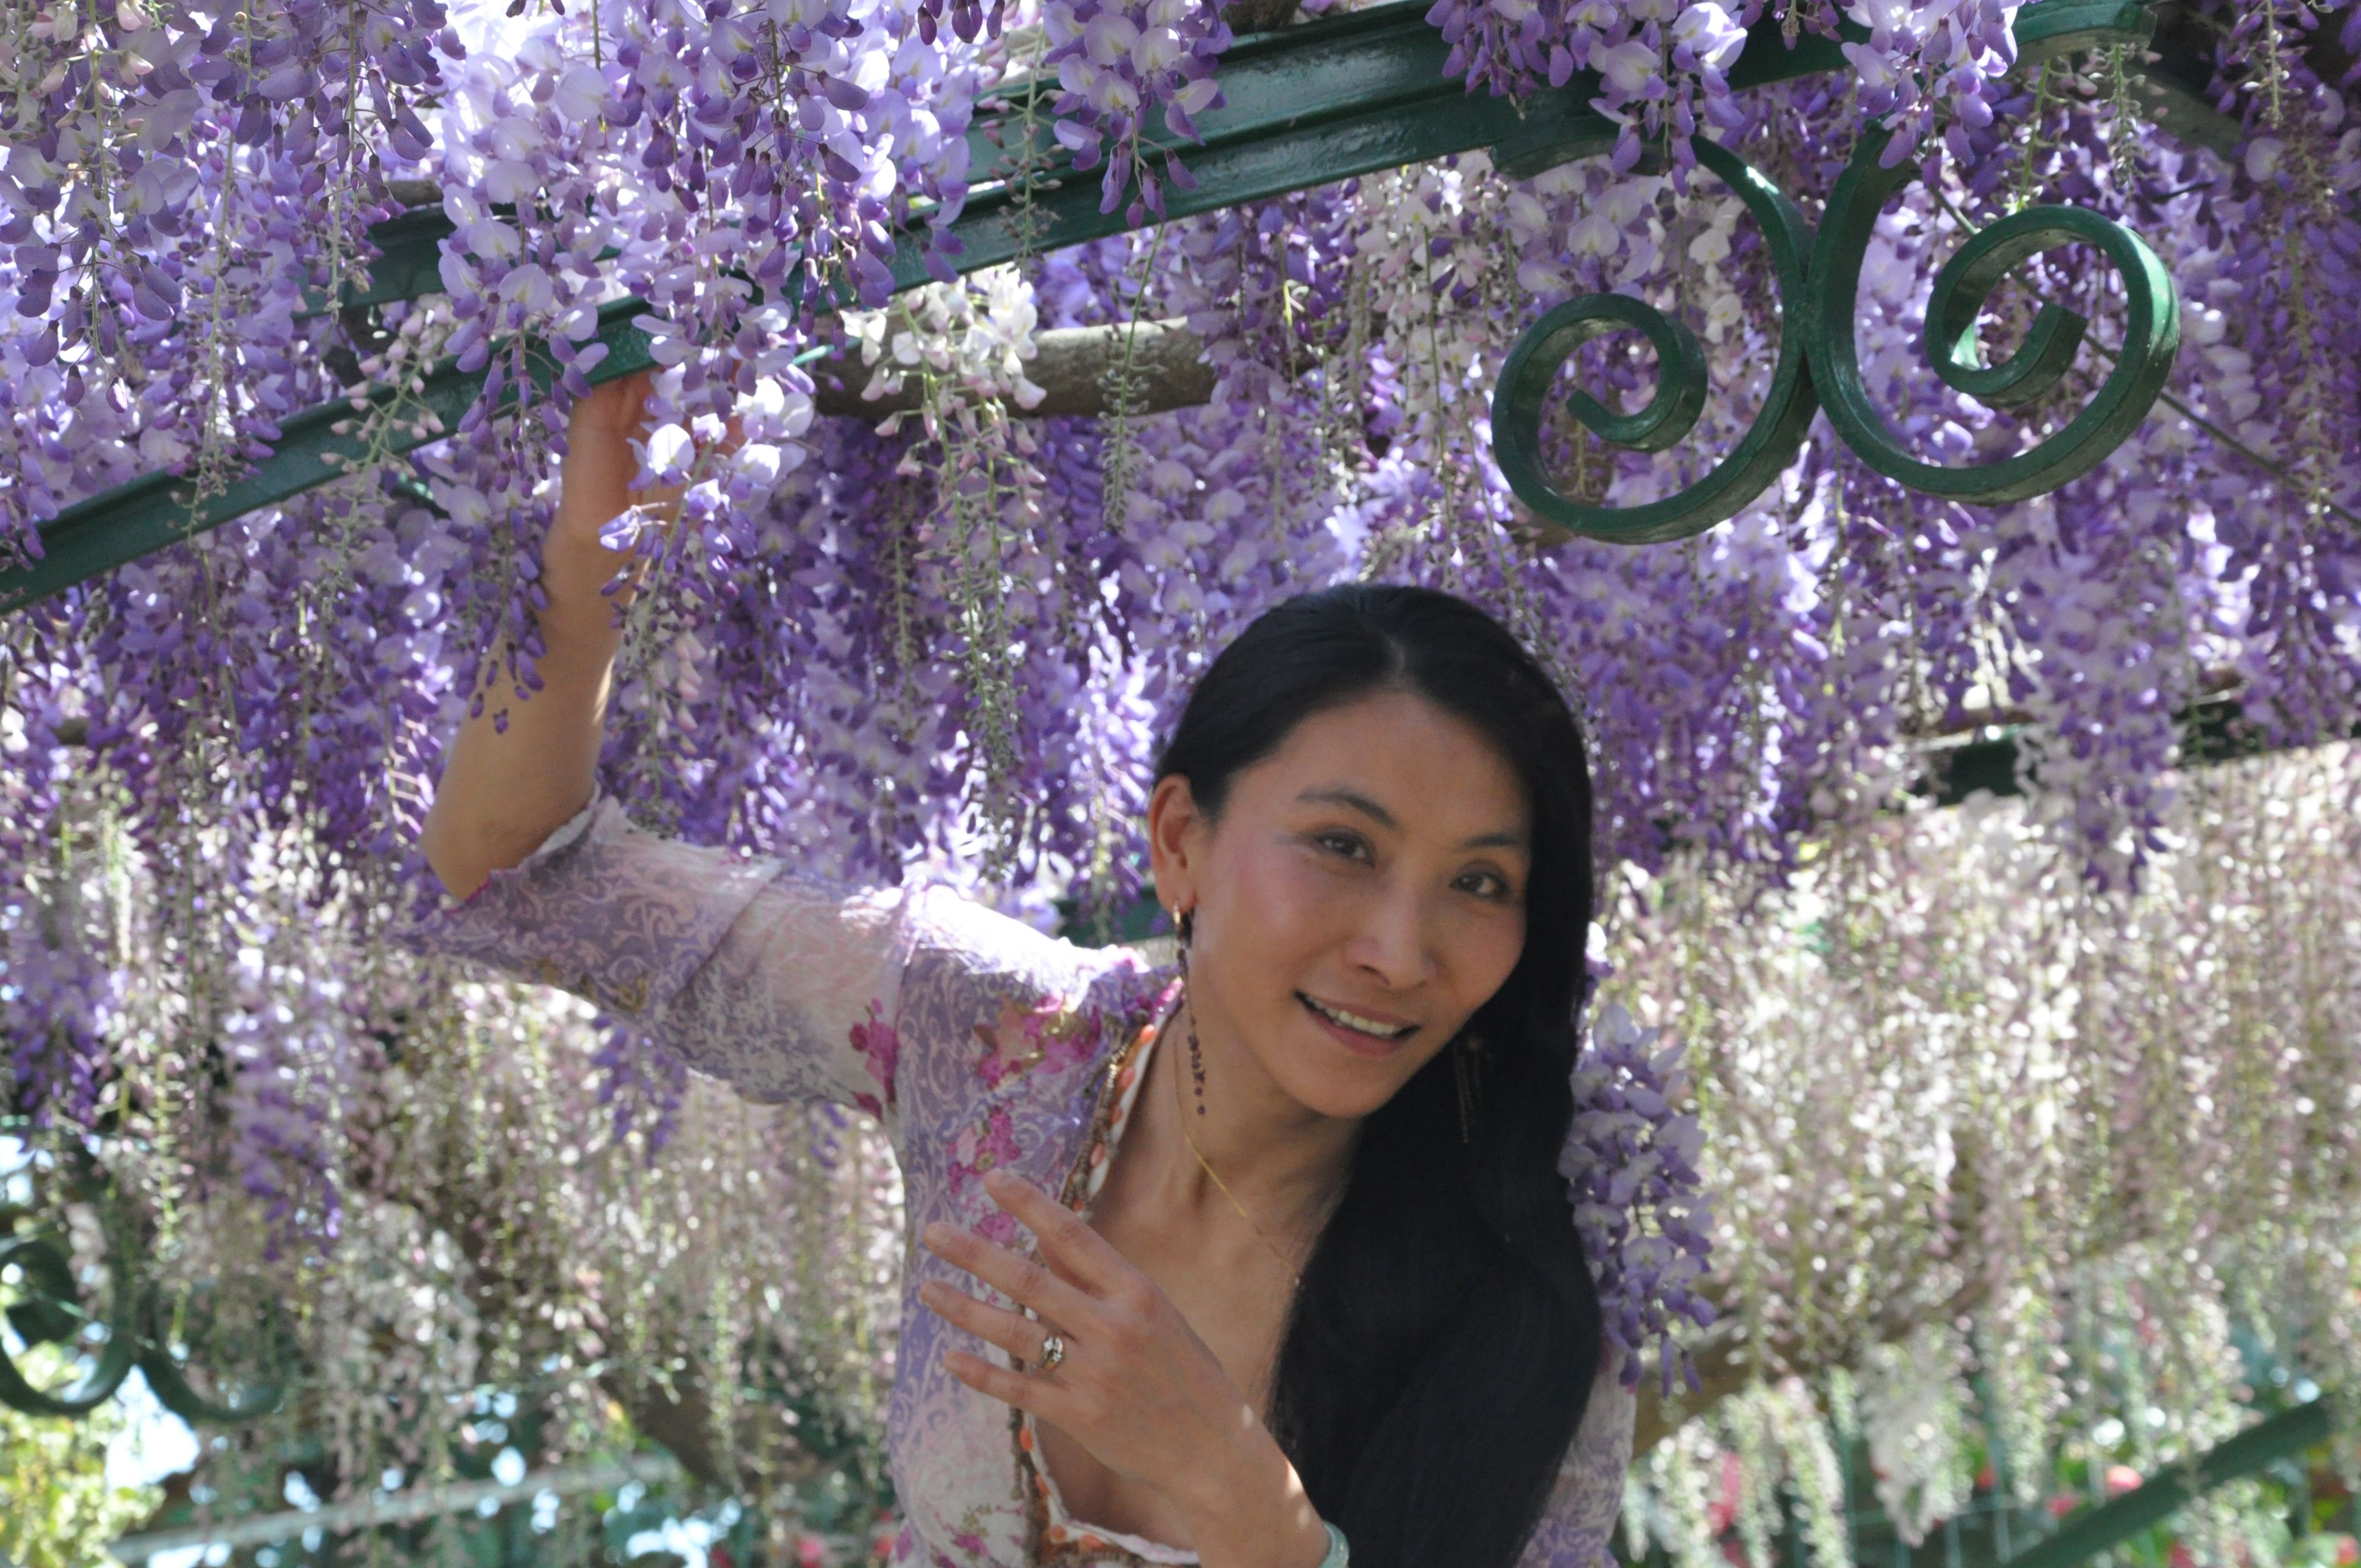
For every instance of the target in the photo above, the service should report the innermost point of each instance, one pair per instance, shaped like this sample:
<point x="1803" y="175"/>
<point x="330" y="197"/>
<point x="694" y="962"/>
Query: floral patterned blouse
<point x="977" y="1042"/>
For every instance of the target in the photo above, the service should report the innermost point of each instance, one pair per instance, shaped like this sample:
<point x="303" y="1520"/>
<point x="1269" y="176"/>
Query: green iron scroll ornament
<point x="52" y="1313"/>
<point x="1818" y="280"/>
<point x="1769" y="443"/>
<point x="139" y="1333"/>
<point x="2151" y="336"/>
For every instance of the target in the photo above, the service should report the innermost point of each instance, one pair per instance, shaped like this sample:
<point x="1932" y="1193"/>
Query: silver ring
<point x="1053" y="1351"/>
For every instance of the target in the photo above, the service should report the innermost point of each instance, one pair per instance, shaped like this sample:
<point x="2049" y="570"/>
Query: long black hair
<point x="1441" y="1349"/>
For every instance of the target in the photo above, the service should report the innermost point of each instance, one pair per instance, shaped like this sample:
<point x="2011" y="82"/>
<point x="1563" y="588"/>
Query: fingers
<point x="1021" y="1280"/>
<point x="617" y="411"/>
<point x="1069" y="1245"/>
<point x="1022" y="1390"/>
<point x="1019" y="1335"/>
<point x="617" y="406"/>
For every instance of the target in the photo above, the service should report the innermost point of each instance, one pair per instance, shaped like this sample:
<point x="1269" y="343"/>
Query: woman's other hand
<point x="1135" y="1386"/>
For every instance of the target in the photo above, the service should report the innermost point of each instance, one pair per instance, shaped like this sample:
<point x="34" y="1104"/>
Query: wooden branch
<point x="683" y="1421"/>
<point x="1072" y="364"/>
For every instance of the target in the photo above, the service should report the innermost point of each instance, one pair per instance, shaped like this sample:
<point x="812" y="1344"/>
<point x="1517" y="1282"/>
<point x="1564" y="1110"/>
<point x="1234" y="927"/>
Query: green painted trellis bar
<point x="1994" y="1531"/>
<point x="2111" y="1523"/>
<point x="157" y="510"/>
<point x="1307" y="106"/>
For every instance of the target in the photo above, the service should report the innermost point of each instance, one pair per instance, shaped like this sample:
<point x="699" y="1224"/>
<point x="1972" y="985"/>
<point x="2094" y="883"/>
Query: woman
<point x="1234" y="1262"/>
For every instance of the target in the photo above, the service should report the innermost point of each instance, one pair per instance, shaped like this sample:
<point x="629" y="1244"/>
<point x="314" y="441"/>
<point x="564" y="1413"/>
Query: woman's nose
<point x="1392" y="943"/>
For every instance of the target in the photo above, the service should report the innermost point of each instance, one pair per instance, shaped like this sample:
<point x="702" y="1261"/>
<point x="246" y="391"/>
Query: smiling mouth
<point x="1376" y="1029"/>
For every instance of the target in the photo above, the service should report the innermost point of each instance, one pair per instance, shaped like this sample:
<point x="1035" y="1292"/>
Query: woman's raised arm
<point x="785" y="983"/>
<point x="502" y="792"/>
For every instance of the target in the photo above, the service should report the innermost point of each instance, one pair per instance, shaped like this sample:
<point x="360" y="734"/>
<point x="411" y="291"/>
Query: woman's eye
<point x="1485" y="884"/>
<point x="1344" y="844"/>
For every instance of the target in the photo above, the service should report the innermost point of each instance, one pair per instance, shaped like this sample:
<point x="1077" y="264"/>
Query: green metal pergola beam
<point x="2210" y="733"/>
<point x="2150" y="1504"/>
<point x="1302" y="107"/>
<point x="1306" y="106"/>
<point x="156" y="510"/>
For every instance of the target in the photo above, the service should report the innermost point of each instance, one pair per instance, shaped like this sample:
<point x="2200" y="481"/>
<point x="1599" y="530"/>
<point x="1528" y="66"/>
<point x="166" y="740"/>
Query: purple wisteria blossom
<point x="1631" y="1166"/>
<point x="1131" y="71"/>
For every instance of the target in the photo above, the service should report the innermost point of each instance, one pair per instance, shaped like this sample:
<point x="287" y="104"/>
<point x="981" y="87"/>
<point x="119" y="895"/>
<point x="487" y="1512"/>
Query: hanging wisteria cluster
<point x="434" y="1195"/>
<point x="952" y="638"/>
<point x="1631" y="1166"/>
<point x="1120" y="64"/>
<point x="2014" y="1173"/>
<point x="179" y="181"/>
<point x="2007" y="1164"/>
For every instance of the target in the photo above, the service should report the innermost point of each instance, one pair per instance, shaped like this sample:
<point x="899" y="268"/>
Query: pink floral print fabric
<point x="976" y="1042"/>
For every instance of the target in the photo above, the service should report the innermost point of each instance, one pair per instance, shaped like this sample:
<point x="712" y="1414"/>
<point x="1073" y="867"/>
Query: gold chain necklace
<point x="1180" y="1113"/>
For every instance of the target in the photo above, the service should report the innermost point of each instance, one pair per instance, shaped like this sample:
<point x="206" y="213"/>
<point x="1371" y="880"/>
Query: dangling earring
<point x="1186" y="922"/>
<point x="1466" y="1063"/>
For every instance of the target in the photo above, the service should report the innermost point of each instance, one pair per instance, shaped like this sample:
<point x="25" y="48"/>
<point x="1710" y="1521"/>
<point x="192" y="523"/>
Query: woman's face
<point x="1361" y="894"/>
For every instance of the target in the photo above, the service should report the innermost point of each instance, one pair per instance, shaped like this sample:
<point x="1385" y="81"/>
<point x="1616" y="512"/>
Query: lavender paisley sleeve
<point x="1575" y="1527"/>
<point x="784" y="984"/>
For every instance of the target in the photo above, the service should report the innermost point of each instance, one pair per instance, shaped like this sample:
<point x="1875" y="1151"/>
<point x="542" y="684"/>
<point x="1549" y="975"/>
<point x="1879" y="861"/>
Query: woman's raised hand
<point x="595" y="477"/>
<point x="1135" y="1386"/>
<point x="517" y="769"/>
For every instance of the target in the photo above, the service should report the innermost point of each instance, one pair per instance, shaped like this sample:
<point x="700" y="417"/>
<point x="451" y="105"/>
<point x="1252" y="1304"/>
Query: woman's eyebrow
<point x="1337" y="794"/>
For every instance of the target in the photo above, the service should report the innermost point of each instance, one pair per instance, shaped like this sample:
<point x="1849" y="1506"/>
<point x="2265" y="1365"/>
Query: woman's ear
<point x="1175" y="842"/>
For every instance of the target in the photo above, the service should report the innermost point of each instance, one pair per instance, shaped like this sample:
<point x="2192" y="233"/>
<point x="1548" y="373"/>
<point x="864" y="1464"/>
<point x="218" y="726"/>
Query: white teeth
<point x="1355" y="1021"/>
